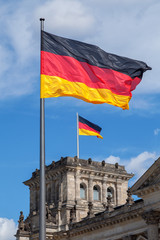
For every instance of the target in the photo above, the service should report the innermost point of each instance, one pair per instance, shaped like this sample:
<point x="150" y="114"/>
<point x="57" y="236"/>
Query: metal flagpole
<point x="77" y="136"/>
<point x="42" y="210"/>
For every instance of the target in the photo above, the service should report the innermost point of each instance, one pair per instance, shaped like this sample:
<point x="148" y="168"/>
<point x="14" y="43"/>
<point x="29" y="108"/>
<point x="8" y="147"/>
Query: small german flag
<point x="88" y="128"/>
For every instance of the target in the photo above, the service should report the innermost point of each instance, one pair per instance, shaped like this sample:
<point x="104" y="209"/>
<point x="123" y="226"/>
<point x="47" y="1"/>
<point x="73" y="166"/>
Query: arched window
<point x="110" y="192"/>
<point x="82" y="191"/>
<point x="96" y="193"/>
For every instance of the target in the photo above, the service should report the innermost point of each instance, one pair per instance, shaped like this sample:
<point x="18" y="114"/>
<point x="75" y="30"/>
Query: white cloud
<point x="8" y="229"/>
<point x="112" y="159"/>
<point x="156" y="131"/>
<point x="136" y="165"/>
<point x="18" y="45"/>
<point x="98" y="22"/>
<point x="70" y="18"/>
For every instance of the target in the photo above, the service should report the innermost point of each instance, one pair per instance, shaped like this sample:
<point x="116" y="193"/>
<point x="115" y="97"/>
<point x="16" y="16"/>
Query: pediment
<point x="151" y="178"/>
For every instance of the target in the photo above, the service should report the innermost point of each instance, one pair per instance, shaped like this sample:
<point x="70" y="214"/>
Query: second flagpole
<point x="77" y="136"/>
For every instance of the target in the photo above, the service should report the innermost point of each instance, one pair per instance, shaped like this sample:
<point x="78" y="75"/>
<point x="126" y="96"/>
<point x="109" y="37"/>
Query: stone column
<point x="90" y="189"/>
<point x="77" y="195"/>
<point x="152" y="219"/>
<point x="60" y="188"/>
<point x="77" y="185"/>
<point x="104" y="191"/>
<point x="67" y="219"/>
<point x="118" y="192"/>
<point x="59" y="222"/>
<point x="70" y="186"/>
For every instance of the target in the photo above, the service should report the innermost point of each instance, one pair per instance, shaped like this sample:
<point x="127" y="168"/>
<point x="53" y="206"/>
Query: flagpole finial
<point x="42" y="19"/>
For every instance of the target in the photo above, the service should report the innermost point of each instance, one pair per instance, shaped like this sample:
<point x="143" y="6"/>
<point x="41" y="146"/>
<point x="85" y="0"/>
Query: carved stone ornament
<point x="53" y="163"/>
<point x="73" y="215"/>
<point x="75" y="158"/>
<point x="89" y="160"/>
<point x="48" y="213"/>
<point x="27" y="226"/>
<point x="35" y="173"/>
<point x="151" y="217"/>
<point x="90" y="213"/>
<point x="109" y="207"/>
<point x="49" y="216"/>
<point x="129" y="200"/>
<point x="104" y="205"/>
<point x="103" y="163"/>
<point x="21" y="222"/>
<point x="116" y="165"/>
<point x="61" y="160"/>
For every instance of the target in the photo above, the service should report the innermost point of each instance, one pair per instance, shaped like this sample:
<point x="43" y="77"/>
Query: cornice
<point x="105" y="219"/>
<point x="86" y="167"/>
<point x="21" y="233"/>
<point x="148" y="190"/>
<point x="86" y="173"/>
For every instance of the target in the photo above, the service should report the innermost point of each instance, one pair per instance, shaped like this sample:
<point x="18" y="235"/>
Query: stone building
<point x="90" y="200"/>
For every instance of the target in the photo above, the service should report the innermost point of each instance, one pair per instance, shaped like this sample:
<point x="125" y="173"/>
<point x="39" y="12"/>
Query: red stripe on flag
<point x="94" y="77"/>
<point x="85" y="126"/>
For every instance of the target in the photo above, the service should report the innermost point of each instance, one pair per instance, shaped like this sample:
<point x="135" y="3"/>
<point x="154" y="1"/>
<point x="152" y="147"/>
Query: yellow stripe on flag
<point x="53" y="86"/>
<point x="89" y="133"/>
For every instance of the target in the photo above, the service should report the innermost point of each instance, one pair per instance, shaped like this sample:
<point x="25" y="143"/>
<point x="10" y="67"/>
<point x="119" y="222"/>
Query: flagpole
<point x="77" y="136"/>
<point x="42" y="210"/>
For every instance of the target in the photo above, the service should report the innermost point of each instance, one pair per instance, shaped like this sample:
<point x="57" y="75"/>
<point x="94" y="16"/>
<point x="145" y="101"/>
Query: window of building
<point x="96" y="193"/>
<point x="110" y="192"/>
<point x="82" y="191"/>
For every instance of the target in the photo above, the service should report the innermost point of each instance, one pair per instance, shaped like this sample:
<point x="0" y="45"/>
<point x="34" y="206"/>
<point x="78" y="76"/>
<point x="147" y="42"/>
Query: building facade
<point x="90" y="200"/>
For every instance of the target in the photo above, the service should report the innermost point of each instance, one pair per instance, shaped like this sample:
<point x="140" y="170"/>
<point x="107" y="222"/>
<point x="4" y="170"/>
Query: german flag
<point x="88" y="128"/>
<point x="85" y="71"/>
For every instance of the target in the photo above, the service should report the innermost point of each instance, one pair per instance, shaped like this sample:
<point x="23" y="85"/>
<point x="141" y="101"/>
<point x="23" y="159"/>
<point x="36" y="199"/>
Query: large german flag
<point x="88" y="128"/>
<point x="84" y="71"/>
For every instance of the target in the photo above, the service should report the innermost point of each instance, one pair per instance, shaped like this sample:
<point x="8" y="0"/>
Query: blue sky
<point x="130" y="137"/>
